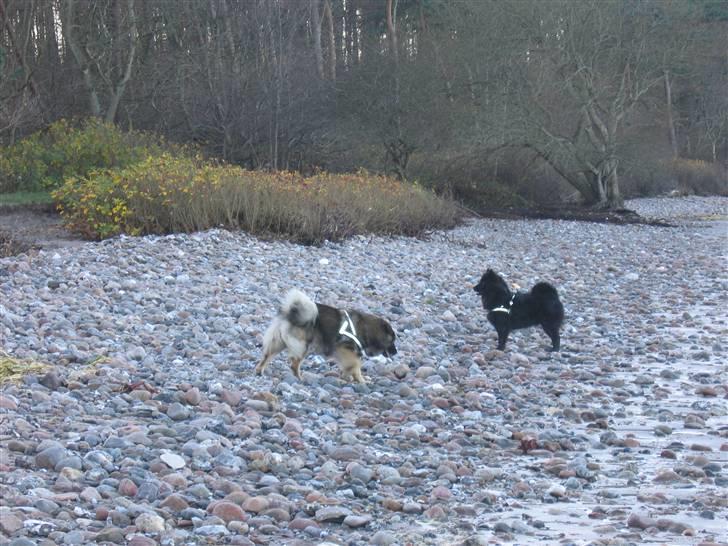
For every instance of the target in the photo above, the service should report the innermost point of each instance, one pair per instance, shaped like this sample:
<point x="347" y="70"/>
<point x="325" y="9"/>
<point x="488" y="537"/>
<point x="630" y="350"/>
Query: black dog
<point x="511" y="311"/>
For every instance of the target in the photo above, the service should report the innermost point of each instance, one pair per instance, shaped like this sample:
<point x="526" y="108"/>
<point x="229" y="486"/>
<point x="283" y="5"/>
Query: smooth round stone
<point x="7" y="402"/>
<point x="172" y="460"/>
<point x="436" y="512"/>
<point x="90" y="494"/>
<point x="73" y="462"/>
<point x="149" y="523"/>
<point x="667" y="476"/>
<point x="111" y="534"/>
<point x="556" y="490"/>
<point x="640" y="521"/>
<point x="256" y="504"/>
<point x="211" y="530"/>
<point x="127" y="487"/>
<point x="47" y="506"/>
<point x="345" y="453"/>
<point x="175" y="503"/>
<point x="10" y="523"/>
<point x="148" y="491"/>
<point x="332" y="514"/>
<point x="228" y="511"/>
<point x="383" y="538"/>
<point x="355" y="521"/>
<point x="360" y="472"/>
<point x="192" y="396"/>
<point x="140" y="540"/>
<point x="424" y="372"/>
<point x="50" y="457"/>
<point x="441" y="493"/>
<point x="177" y="412"/>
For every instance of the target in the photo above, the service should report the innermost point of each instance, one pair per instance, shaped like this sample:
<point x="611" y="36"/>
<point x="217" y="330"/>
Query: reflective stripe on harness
<point x="347" y="330"/>
<point x="506" y="310"/>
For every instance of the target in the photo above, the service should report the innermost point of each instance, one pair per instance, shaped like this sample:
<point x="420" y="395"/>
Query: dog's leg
<point x="553" y="332"/>
<point x="350" y="364"/>
<point x="502" y="326"/>
<point x="296" y="367"/>
<point x="358" y="376"/>
<point x="269" y="351"/>
<point x="272" y="345"/>
<point x="502" y="338"/>
<point x="267" y="357"/>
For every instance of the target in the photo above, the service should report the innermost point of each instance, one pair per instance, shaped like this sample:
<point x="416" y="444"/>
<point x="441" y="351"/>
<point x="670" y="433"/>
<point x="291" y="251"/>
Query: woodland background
<point x="546" y="100"/>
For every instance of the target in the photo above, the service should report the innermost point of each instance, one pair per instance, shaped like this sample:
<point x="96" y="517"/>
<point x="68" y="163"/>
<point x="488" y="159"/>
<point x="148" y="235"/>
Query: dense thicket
<point x="557" y="99"/>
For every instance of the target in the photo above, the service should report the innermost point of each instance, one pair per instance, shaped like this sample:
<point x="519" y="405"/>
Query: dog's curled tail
<point x="550" y="302"/>
<point x="544" y="289"/>
<point x="299" y="309"/>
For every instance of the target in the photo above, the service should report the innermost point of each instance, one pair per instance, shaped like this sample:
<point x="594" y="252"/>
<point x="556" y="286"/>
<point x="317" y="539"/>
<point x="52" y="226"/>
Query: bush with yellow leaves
<point x="168" y="193"/>
<point x="66" y="149"/>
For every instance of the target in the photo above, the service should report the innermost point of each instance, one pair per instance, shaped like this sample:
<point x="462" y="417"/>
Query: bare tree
<point x="589" y="65"/>
<point x="432" y="88"/>
<point x="97" y="44"/>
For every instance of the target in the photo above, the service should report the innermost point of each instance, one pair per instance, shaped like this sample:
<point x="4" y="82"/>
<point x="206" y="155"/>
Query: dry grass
<point x="10" y="246"/>
<point x="695" y="176"/>
<point x="167" y="194"/>
<point x="13" y="369"/>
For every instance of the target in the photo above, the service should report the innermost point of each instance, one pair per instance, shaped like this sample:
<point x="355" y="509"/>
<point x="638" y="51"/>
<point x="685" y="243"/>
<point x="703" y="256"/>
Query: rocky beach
<point x="148" y="426"/>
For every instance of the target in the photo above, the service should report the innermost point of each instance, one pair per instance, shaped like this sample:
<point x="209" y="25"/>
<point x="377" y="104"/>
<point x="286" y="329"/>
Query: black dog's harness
<point x="347" y="330"/>
<point x="506" y="310"/>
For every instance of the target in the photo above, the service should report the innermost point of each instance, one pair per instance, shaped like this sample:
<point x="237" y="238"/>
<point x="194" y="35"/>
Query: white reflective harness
<point x="347" y="330"/>
<point x="506" y="310"/>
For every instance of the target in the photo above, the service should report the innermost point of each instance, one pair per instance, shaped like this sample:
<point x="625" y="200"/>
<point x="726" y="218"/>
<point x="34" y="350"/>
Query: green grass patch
<point x="26" y="198"/>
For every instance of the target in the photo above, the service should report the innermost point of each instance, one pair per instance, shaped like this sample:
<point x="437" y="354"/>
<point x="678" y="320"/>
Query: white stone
<point x="173" y="460"/>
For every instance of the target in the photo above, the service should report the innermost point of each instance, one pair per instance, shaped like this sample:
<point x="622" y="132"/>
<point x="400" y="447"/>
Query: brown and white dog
<point x="302" y="327"/>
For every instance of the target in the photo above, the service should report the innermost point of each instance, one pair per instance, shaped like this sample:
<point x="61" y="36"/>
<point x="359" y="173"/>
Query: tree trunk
<point x="17" y="51"/>
<point x="396" y="144"/>
<point x="328" y="15"/>
<point x="354" y="29"/>
<point x="82" y="60"/>
<point x="51" y="39"/>
<point x="318" y="51"/>
<point x="118" y="90"/>
<point x="614" y="198"/>
<point x="438" y="58"/>
<point x="670" y="118"/>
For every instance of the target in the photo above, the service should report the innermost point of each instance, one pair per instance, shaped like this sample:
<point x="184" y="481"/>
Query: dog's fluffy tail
<point x="544" y="289"/>
<point x="299" y="309"/>
<point x="551" y="305"/>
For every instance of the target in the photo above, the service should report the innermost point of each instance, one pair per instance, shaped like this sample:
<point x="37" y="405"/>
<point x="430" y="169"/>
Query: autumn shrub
<point x="695" y="176"/>
<point x="644" y="175"/>
<point x="167" y="194"/>
<point x="472" y="179"/>
<point x="65" y="149"/>
<point x="10" y="246"/>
